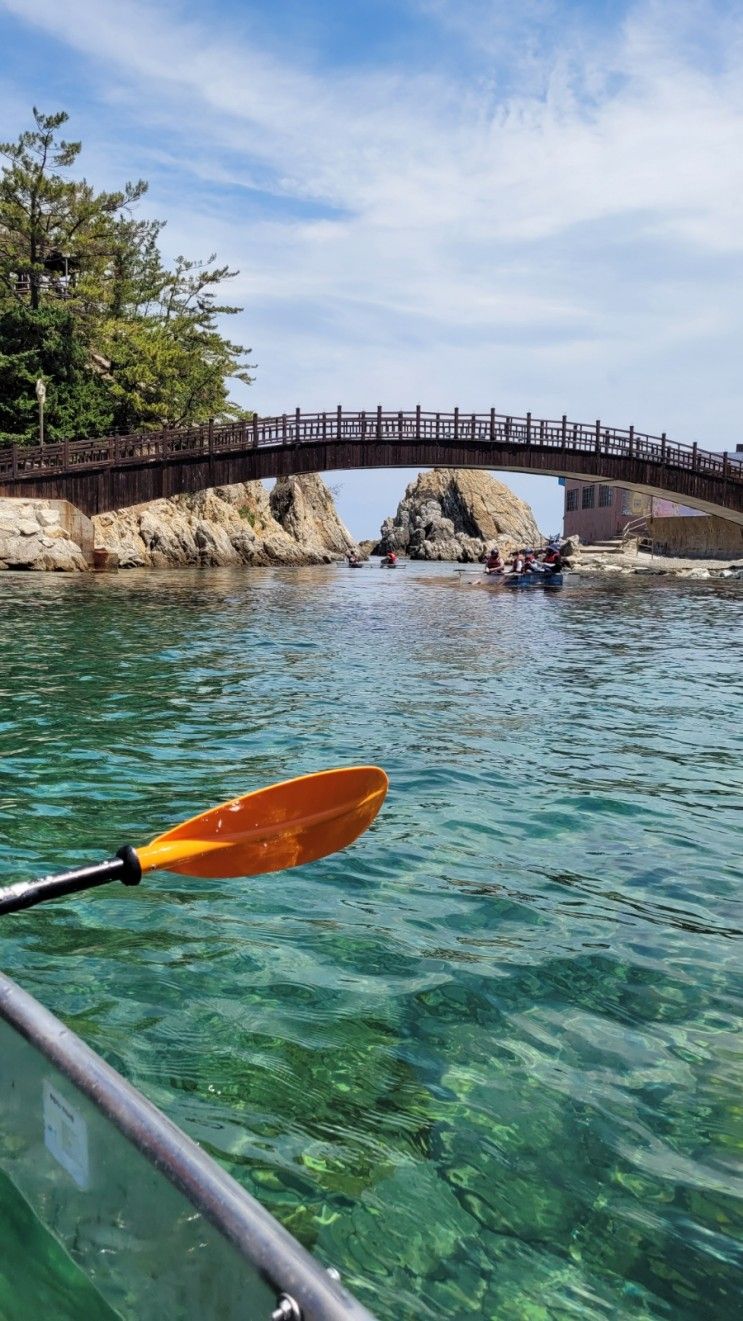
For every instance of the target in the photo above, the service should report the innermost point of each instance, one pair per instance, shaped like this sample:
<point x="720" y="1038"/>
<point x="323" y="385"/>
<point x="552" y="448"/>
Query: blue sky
<point x="537" y="206"/>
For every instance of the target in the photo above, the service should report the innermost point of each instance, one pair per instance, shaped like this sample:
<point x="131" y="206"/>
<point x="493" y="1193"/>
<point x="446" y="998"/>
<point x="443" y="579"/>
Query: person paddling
<point x="390" y="560"/>
<point x="552" y="559"/>
<point x="494" y="562"/>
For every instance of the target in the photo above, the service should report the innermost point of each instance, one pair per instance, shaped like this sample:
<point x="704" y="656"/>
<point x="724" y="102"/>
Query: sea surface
<point x="488" y="1061"/>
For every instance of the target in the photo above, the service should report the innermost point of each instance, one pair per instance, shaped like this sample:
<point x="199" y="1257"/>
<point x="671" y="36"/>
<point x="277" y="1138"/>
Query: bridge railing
<point x="374" y="426"/>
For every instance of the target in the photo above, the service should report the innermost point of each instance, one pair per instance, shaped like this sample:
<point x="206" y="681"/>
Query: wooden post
<point x="631" y="441"/>
<point x="724" y="464"/>
<point x="66" y="453"/>
<point x="663" y="447"/>
<point x="399" y="426"/>
<point x="528" y="428"/>
<point x="598" y="436"/>
<point x="14" y="457"/>
<point x="456" y="425"/>
<point x="210" y="436"/>
<point x="438" y="427"/>
<point x="473" y="427"/>
<point x="283" y="428"/>
<point x="564" y="430"/>
<point x="508" y="428"/>
<point x="417" y="421"/>
<point x="379" y="423"/>
<point x="255" y="429"/>
<point x="492" y="426"/>
<point x="694" y="456"/>
<point x="339" y="423"/>
<point x="297" y="423"/>
<point x="324" y="427"/>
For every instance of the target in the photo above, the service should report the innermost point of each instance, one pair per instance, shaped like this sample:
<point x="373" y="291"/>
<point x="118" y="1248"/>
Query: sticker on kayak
<point x="66" y="1135"/>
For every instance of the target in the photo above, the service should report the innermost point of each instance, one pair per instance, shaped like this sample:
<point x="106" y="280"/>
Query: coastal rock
<point x="240" y="524"/>
<point x="39" y="534"/>
<point x="304" y="508"/>
<point x="457" y="514"/>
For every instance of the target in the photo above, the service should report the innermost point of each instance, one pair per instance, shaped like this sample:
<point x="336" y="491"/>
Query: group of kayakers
<point x="548" y="561"/>
<point x="526" y="560"/>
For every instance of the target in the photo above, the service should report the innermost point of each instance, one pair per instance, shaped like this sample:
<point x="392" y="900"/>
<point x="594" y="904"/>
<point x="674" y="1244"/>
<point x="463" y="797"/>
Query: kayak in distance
<point x="546" y="580"/>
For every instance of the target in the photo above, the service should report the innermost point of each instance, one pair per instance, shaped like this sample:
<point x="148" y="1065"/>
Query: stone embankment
<point x="457" y="514"/>
<point x="296" y="523"/>
<point x="628" y="560"/>
<point x="44" y="534"/>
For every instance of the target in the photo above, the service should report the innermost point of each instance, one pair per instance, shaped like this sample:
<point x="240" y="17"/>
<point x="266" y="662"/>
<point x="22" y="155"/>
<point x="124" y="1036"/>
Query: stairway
<point x="614" y="546"/>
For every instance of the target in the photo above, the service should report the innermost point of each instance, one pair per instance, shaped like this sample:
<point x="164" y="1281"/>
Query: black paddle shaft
<point x="124" y="867"/>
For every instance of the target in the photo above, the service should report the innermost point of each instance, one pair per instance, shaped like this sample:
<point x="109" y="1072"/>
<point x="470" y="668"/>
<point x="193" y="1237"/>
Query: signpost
<point x="41" y="396"/>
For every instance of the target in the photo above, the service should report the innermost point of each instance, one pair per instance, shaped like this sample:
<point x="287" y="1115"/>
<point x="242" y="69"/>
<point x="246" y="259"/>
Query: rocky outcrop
<point x="44" y="534"/>
<point x="241" y="524"/>
<point x="304" y="508"/>
<point x="457" y="514"/>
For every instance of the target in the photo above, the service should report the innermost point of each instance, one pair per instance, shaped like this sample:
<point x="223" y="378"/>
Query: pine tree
<point x="87" y="303"/>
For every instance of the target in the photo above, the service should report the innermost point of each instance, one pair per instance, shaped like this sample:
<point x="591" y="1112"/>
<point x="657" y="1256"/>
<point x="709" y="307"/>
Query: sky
<point x="533" y="206"/>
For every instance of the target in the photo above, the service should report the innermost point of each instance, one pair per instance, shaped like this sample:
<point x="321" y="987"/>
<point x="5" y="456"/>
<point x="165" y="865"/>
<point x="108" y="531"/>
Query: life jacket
<point x="392" y="558"/>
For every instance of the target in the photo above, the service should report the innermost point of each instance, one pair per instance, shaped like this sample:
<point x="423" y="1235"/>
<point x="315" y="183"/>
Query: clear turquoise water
<point x="488" y="1061"/>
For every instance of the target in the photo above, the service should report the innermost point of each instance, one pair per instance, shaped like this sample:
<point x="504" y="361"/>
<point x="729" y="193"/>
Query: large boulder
<point x="239" y="524"/>
<point x="457" y="514"/>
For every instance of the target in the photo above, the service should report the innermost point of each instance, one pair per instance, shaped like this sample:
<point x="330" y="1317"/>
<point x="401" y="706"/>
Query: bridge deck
<point x="114" y="471"/>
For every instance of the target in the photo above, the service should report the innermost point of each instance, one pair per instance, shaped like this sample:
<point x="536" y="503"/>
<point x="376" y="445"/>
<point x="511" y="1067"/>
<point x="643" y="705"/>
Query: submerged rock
<point x="240" y="524"/>
<point x="457" y="514"/>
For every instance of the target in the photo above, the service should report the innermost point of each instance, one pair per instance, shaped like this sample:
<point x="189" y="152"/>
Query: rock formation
<point x="457" y="514"/>
<point x="304" y="508"/>
<point x="241" y="524"/>
<point x="44" y="534"/>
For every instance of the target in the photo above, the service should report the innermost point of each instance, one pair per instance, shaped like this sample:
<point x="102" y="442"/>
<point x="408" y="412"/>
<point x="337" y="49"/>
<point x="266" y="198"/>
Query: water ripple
<point x="487" y="1062"/>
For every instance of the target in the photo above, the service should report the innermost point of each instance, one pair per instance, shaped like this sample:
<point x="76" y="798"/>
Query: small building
<point x="595" y="511"/>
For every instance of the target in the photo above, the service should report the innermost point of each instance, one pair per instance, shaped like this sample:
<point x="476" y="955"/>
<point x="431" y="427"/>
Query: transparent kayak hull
<point x="153" y="1223"/>
<point x="518" y="580"/>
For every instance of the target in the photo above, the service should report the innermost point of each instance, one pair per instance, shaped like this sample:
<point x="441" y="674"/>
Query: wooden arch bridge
<point x="115" y="471"/>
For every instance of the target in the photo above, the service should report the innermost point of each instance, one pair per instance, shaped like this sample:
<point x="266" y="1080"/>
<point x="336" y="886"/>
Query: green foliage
<point x="44" y="343"/>
<point x="87" y="303"/>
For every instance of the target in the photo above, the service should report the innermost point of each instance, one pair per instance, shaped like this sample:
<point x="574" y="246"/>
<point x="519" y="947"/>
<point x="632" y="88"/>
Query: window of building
<point x="571" y="498"/>
<point x="606" y="495"/>
<point x="589" y="497"/>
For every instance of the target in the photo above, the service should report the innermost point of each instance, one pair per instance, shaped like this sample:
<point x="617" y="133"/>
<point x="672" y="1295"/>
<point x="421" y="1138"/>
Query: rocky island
<point x="457" y="514"/>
